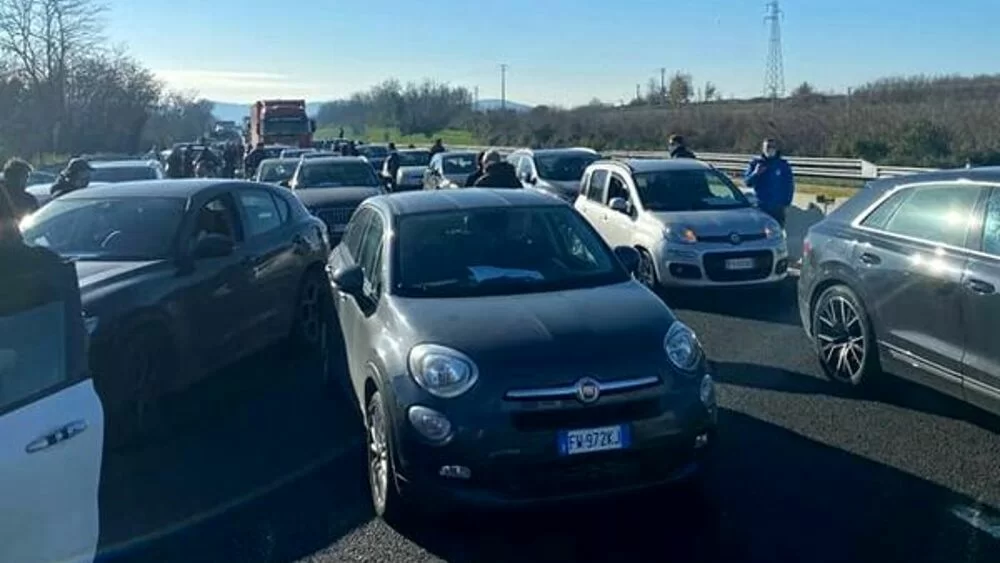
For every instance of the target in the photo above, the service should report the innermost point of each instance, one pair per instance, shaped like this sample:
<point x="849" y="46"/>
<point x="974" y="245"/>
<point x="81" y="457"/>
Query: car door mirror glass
<point x="620" y="205"/>
<point x="629" y="258"/>
<point x="285" y="183"/>
<point x="350" y="280"/>
<point x="212" y="246"/>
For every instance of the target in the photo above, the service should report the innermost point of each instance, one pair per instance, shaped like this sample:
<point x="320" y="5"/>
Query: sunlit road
<point x="808" y="472"/>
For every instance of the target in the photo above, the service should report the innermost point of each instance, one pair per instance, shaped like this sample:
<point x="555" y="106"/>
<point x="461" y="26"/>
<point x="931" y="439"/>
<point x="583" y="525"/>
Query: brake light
<point x="806" y="248"/>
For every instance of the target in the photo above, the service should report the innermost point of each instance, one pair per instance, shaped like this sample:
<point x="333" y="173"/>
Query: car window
<point x="617" y="187"/>
<point x="284" y="210"/>
<point x="687" y="190"/>
<point x="524" y="167"/>
<point x="371" y="249"/>
<point x="459" y="164"/>
<point x="275" y="172"/>
<point x="114" y="174"/>
<point x="598" y="183"/>
<point x="414" y="158"/>
<point x="261" y="212"/>
<point x="991" y="224"/>
<point x="563" y="167"/>
<point x="335" y="174"/>
<point x="32" y="349"/>
<point x="218" y="217"/>
<point x="497" y="251"/>
<point x="355" y="231"/>
<point x="940" y="214"/>
<point x="878" y="218"/>
<point x="133" y="228"/>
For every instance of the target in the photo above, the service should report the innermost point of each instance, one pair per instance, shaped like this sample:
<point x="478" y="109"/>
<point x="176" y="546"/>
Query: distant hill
<point x="228" y="111"/>
<point x="489" y="105"/>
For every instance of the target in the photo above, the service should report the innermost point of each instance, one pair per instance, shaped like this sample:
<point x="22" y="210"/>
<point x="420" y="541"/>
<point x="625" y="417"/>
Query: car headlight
<point x="683" y="235"/>
<point x="443" y="372"/>
<point x="682" y="347"/>
<point x="774" y="231"/>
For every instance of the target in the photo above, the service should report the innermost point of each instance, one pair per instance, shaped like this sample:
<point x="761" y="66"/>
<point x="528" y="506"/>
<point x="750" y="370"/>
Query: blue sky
<point x="559" y="51"/>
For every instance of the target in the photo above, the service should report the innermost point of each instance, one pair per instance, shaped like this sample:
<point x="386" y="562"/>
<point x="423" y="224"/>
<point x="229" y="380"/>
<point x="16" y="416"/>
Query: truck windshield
<point x="285" y="126"/>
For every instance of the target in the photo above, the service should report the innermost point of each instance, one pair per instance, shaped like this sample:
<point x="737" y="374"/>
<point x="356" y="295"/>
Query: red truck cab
<point x="281" y="122"/>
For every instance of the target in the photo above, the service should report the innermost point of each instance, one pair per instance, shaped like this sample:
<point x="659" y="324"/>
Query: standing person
<point x="437" y="147"/>
<point x="480" y="170"/>
<point x="76" y="176"/>
<point x="252" y="160"/>
<point x="187" y="163"/>
<point x="391" y="167"/>
<point x="15" y="180"/>
<point x="498" y="173"/>
<point x="771" y="178"/>
<point x="678" y="148"/>
<point x="175" y="163"/>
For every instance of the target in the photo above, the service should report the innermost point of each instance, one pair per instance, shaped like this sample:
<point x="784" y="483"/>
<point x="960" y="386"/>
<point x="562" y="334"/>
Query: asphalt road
<point x="262" y="468"/>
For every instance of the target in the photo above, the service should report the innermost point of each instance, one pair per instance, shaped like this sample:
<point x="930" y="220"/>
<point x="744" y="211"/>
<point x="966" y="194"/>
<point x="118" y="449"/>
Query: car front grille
<point x="336" y="219"/>
<point x="715" y="266"/>
<point x="585" y="416"/>
<point x="747" y="237"/>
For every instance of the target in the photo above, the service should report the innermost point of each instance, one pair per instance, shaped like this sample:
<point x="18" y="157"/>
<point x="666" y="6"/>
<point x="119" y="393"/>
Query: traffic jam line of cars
<point x="504" y="346"/>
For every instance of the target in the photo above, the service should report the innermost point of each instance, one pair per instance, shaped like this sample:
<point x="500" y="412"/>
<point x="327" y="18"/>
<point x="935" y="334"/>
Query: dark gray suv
<point x="904" y="277"/>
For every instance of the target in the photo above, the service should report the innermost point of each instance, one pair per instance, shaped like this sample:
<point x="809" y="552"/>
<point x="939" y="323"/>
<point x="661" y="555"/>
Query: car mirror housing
<point x="620" y="205"/>
<point x="629" y="257"/>
<point x="349" y="280"/>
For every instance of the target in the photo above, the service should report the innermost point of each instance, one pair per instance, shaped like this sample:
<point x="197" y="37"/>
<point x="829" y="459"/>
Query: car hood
<point x="322" y="197"/>
<point x="717" y="222"/>
<point x="546" y="336"/>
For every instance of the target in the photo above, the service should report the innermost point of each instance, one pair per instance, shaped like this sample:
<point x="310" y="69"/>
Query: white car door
<point x="51" y="431"/>
<point x="618" y="226"/>
<point x="590" y="203"/>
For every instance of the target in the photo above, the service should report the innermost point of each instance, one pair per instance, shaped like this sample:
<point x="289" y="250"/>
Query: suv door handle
<point x="980" y="287"/>
<point x="870" y="259"/>
<point x="67" y="432"/>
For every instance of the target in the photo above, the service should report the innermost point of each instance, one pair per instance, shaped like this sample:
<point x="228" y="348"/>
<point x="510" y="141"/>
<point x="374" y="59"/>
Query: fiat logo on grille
<point x="734" y="238"/>
<point x="588" y="390"/>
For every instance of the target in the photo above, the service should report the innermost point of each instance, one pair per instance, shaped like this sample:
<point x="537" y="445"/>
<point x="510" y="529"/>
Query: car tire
<point x="646" y="272"/>
<point x="386" y="499"/>
<point x="313" y="312"/>
<point x="134" y="382"/>
<point x="843" y="338"/>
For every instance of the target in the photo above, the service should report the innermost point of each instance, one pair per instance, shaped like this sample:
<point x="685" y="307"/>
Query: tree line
<point x="907" y="121"/>
<point x="64" y="91"/>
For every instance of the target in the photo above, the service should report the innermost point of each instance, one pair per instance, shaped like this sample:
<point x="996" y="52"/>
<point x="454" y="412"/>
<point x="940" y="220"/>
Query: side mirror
<point x="629" y="258"/>
<point x="350" y="280"/>
<point x="212" y="246"/>
<point x="285" y="184"/>
<point x="620" y="205"/>
<point x="312" y="125"/>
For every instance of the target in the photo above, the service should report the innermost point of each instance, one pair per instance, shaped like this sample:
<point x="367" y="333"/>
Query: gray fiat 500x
<point x="503" y="354"/>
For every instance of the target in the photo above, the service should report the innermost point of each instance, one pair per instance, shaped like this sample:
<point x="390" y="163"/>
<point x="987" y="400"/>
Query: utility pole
<point x="503" y="86"/>
<point x="638" y="92"/>
<point x="475" y="102"/>
<point x="663" y="83"/>
<point x="774" y="68"/>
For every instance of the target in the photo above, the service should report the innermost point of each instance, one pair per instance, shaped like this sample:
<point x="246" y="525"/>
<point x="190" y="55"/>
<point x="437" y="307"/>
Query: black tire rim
<point x="310" y="313"/>
<point x="645" y="273"/>
<point x="841" y="338"/>
<point x="378" y="455"/>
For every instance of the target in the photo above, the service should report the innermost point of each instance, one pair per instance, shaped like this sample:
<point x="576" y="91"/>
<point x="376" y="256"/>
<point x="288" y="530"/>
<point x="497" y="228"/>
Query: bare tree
<point x="710" y="91"/>
<point x="680" y="90"/>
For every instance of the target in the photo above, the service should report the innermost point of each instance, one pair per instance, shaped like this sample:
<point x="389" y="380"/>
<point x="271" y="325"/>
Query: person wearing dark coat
<point x="437" y="147"/>
<point x="678" y="148"/>
<point x="498" y="173"/>
<point x="15" y="180"/>
<point x="471" y="180"/>
<point x="252" y="160"/>
<point x="75" y="176"/>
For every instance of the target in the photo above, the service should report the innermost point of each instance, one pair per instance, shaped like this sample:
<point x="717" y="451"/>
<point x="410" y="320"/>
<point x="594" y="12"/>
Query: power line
<point x="774" y="68"/>
<point x="503" y="86"/>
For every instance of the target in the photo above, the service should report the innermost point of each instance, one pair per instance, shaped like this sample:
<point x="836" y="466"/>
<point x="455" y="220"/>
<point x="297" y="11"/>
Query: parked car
<point x="449" y="170"/>
<point x="904" y="278"/>
<point x="182" y="277"/>
<point x="276" y="171"/>
<point x="295" y="153"/>
<point x="691" y="225"/>
<point x="555" y="171"/>
<point x="333" y="187"/>
<point x="51" y="419"/>
<point x="375" y="154"/>
<point x="318" y="154"/>
<point x="485" y="332"/>
<point x="109" y="172"/>
<point x="412" y="165"/>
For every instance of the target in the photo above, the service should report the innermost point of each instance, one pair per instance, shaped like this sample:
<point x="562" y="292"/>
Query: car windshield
<point x="276" y="171"/>
<point x="500" y="251"/>
<point x="336" y="174"/>
<point x="294" y="153"/>
<point x="563" y="167"/>
<point x="414" y="158"/>
<point x="373" y="151"/>
<point x="286" y="126"/>
<point x="112" y="174"/>
<point x="688" y="190"/>
<point x="459" y="164"/>
<point x="273" y="152"/>
<point x="132" y="228"/>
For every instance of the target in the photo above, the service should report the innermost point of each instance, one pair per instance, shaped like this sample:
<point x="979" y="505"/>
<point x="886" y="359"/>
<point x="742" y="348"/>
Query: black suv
<point x="904" y="276"/>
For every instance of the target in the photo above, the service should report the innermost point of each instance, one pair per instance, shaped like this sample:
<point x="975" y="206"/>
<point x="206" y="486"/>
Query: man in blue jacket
<point x="770" y="176"/>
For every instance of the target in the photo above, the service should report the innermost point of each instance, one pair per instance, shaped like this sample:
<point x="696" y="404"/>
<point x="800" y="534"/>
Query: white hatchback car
<point x="691" y="224"/>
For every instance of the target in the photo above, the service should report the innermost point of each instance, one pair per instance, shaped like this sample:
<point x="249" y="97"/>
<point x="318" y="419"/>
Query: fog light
<point x="707" y="391"/>
<point x="700" y="441"/>
<point x="430" y="424"/>
<point x="455" y="472"/>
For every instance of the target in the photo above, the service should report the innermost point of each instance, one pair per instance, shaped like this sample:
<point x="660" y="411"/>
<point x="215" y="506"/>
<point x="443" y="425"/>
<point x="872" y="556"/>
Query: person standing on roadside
<point x="437" y="147"/>
<point x="678" y="148"/>
<point x="498" y="173"/>
<point x="15" y="180"/>
<point x="76" y="176"/>
<point x="391" y="167"/>
<point x="771" y="178"/>
<point x="480" y="170"/>
<point x="252" y="160"/>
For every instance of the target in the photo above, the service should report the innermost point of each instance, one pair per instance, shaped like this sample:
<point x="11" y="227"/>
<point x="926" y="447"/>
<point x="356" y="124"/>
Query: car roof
<point x="457" y="153"/>
<point x="123" y="163"/>
<point x="989" y="174"/>
<point x="640" y="165"/>
<point x="185" y="188"/>
<point x="430" y="201"/>
<point x="287" y="160"/>
<point x="414" y="150"/>
<point x="566" y="150"/>
<point x="329" y="159"/>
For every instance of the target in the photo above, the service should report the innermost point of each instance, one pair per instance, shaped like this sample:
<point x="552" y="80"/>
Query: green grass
<point x="385" y="134"/>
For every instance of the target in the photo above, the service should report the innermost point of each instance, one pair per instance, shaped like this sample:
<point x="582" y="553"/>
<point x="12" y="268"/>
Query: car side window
<point x="585" y="184"/>
<point x="284" y="210"/>
<point x="617" y="187"/>
<point x="370" y="256"/>
<point x="940" y="214"/>
<point x="598" y="183"/>
<point x="991" y="225"/>
<point x="524" y="168"/>
<point x="355" y="232"/>
<point x="878" y="218"/>
<point x="218" y="217"/>
<point x="261" y="212"/>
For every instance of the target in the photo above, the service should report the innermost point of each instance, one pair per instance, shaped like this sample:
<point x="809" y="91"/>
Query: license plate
<point x="572" y="442"/>
<point x="740" y="264"/>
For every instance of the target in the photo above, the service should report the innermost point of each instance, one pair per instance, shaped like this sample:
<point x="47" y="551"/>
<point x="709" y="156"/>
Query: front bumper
<point x="709" y="264"/>
<point x="512" y="457"/>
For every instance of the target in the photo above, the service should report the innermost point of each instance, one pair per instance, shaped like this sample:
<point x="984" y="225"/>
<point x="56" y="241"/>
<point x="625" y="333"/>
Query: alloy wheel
<point x="378" y="454"/>
<point x="646" y="273"/>
<point x="310" y="312"/>
<point x="842" y="339"/>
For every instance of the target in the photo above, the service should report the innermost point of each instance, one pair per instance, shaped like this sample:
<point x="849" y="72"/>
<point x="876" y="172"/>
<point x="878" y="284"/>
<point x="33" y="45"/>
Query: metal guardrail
<point x="807" y="167"/>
